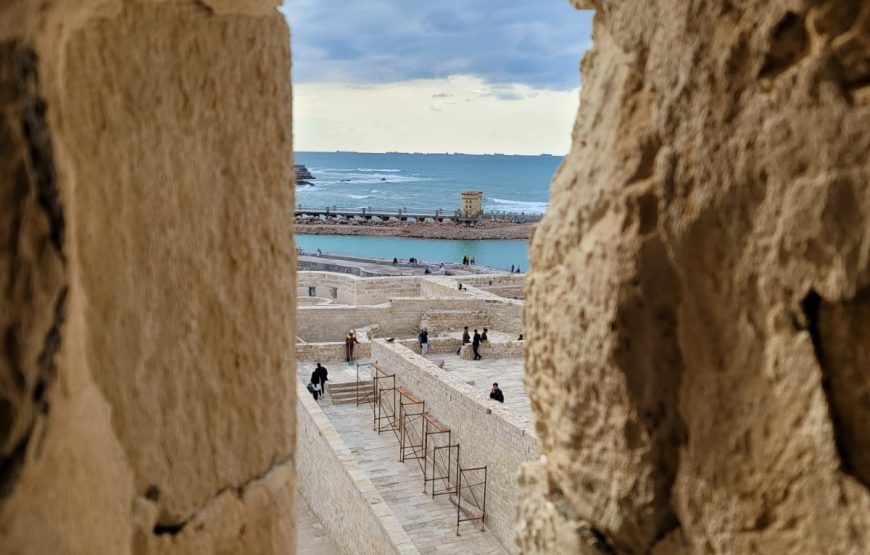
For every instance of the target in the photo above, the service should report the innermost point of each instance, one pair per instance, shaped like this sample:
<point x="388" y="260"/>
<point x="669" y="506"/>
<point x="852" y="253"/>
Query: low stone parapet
<point x="509" y="349"/>
<point x="338" y="491"/>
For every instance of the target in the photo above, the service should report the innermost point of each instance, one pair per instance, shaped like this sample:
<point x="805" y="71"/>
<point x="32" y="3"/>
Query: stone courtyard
<point x="386" y="313"/>
<point x="430" y="522"/>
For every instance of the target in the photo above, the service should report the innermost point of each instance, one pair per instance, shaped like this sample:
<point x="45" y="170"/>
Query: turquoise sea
<point x="498" y="254"/>
<point x="425" y="181"/>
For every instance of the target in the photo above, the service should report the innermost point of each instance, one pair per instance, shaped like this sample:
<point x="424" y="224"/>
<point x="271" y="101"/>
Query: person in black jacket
<point x="423" y="340"/>
<point x="318" y="380"/>
<point x="465" y="339"/>
<point x="475" y="345"/>
<point x="496" y="394"/>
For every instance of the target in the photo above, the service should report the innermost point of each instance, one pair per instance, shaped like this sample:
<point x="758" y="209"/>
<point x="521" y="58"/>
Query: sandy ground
<point x="485" y="230"/>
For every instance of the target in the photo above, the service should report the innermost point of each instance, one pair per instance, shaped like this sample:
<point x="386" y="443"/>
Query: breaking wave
<point x="529" y="207"/>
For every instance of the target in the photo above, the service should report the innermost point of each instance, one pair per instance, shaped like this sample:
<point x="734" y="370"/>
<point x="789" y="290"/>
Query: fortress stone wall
<point x="146" y="367"/>
<point x="487" y="433"/>
<point x="438" y="305"/>
<point x="339" y="492"/>
<point x="697" y="305"/>
<point x="350" y="289"/>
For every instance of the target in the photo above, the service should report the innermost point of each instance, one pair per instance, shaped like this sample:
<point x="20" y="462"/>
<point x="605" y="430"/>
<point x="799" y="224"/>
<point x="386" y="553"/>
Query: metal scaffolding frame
<point x="397" y="410"/>
<point x="474" y="505"/>
<point x="384" y="405"/>
<point x="411" y="416"/>
<point x="433" y="430"/>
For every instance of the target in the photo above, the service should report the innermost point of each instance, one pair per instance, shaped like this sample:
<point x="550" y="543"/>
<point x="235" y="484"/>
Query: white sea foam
<point x="360" y="197"/>
<point x="367" y="178"/>
<point x="529" y="207"/>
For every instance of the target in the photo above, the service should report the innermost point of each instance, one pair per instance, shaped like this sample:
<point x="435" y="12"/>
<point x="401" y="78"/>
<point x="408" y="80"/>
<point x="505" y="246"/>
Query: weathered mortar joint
<point x="39" y="146"/>
<point x="50" y="346"/>
<point x="172" y="528"/>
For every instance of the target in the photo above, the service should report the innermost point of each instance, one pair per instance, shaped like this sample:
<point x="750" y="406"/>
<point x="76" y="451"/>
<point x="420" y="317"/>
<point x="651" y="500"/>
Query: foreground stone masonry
<point x="146" y="377"/>
<point x="696" y="310"/>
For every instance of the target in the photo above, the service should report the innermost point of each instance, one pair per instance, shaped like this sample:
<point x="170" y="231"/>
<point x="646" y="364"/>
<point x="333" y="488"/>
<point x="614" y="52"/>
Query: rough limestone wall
<point x="147" y="275"/>
<point x="698" y="303"/>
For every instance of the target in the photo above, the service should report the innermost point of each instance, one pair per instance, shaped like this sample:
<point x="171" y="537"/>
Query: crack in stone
<point x="174" y="528"/>
<point x="39" y="148"/>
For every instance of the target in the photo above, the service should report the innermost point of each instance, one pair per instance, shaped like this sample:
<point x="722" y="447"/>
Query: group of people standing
<point x="475" y="341"/>
<point x="317" y="386"/>
<point x="468" y="261"/>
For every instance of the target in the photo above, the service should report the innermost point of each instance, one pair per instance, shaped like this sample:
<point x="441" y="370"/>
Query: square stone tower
<point x="471" y="203"/>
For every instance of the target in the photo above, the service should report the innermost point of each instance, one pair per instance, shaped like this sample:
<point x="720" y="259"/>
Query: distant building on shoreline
<point x="471" y="203"/>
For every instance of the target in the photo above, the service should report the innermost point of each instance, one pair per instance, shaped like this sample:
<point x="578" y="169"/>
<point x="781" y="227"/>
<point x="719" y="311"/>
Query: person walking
<point x="465" y="339"/>
<point x="475" y="345"/>
<point x="313" y="388"/>
<point x="318" y="378"/>
<point x="495" y="393"/>
<point x="349" y="341"/>
<point x="423" y="339"/>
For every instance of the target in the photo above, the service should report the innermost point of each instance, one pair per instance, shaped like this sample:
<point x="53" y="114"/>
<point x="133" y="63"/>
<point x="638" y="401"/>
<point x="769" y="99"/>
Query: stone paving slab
<point x="431" y="523"/>
<point x="508" y="372"/>
<point x="339" y="372"/>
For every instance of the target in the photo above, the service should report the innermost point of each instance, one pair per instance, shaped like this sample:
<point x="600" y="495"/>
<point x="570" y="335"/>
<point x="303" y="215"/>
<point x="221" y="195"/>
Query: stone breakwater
<point x="420" y="230"/>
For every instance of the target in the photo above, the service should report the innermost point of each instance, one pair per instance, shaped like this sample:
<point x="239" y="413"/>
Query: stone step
<point x="344" y="399"/>
<point x="340" y="392"/>
<point x="349" y="385"/>
<point x="348" y="395"/>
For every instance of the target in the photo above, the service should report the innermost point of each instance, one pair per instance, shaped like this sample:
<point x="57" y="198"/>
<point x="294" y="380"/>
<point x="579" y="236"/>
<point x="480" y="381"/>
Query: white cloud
<point x="536" y="42"/>
<point x="455" y="114"/>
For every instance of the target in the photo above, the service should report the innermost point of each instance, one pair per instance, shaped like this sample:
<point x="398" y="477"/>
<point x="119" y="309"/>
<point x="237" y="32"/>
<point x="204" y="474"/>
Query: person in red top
<point x="349" y="342"/>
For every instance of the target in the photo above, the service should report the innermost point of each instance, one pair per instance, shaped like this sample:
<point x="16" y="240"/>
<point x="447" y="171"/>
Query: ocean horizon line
<point x="542" y="155"/>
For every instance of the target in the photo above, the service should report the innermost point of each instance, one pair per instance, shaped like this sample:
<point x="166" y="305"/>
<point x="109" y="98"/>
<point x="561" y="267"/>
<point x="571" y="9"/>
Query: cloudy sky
<point x="449" y="76"/>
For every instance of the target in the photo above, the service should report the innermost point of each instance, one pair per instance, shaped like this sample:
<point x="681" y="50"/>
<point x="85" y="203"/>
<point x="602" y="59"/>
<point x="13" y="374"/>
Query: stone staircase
<point x="344" y="393"/>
